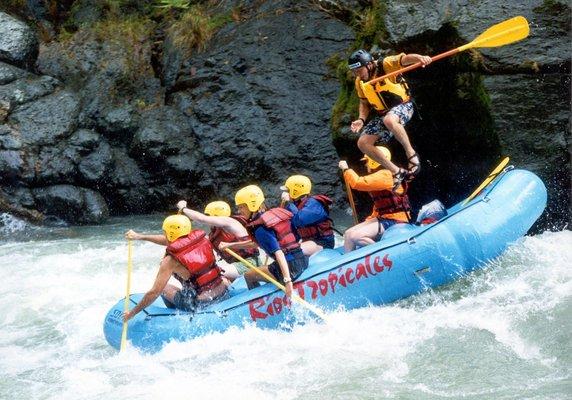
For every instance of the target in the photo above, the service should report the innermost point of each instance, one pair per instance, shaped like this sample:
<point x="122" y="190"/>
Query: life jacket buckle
<point x="411" y="240"/>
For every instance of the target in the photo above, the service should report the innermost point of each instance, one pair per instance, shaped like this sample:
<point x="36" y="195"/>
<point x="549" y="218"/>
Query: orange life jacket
<point x="195" y="252"/>
<point x="388" y="202"/>
<point x="218" y="235"/>
<point x="278" y="220"/>
<point x="321" y="229"/>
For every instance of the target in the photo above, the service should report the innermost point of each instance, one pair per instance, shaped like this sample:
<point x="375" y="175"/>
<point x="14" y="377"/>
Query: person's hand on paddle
<point x="285" y="197"/>
<point x="343" y="165"/>
<point x="357" y="125"/>
<point x="181" y="204"/>
<point x="127" y="316"/>
<point x="224" y="245"/>
<point x="132" y="235"/>
<point x="424" y="60"/>
<point x="289" y="288"/>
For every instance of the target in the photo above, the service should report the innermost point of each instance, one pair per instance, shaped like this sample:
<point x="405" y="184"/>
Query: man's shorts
<point x="385" y="223"/>
<point x="327" y="242"/>
<point x="185" y="299"/>
<point x="241" y="268"/>
<point x="376" y="126"/>
<point x="296" y="265"/>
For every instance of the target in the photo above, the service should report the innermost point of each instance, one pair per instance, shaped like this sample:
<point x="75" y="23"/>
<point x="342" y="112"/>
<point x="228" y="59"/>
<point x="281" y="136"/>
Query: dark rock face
<point x="18" y="43"/>
<point x="113" y="125"/>
<point x="529" y="92"/>
<point x="71" y="203"/>
<point x="260" y="102"/>
<point x="47" y="120"/>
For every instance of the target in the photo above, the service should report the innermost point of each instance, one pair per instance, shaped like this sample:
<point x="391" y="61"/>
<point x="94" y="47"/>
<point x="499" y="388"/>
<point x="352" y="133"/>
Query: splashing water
<point x="502" y="332"/>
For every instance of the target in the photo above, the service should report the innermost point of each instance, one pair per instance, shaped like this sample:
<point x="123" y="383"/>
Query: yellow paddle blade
<point x="489" y="179"/>
<point x="509" y="31"/>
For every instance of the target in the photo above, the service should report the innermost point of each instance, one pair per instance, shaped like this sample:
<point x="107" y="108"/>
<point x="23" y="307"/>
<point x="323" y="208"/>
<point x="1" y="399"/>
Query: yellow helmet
<point x="250" y="195"/>
<point x="297" y="185"/>
<point x="218" y="209"/>
<point x="371" y="163"/>
<point x="176" y="226"/>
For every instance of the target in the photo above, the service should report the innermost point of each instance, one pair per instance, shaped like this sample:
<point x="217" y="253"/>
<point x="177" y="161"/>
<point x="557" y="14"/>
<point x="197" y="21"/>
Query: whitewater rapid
<point x="503" y="332"/>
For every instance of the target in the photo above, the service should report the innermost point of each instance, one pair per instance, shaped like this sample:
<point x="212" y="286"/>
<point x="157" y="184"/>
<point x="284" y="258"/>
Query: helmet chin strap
<point x="369" y="68"/>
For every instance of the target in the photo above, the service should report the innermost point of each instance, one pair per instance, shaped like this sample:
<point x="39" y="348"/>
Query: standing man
<point x="392" y="106"/>
<point x="311" y="214"/>
<point x="272" y="231"/>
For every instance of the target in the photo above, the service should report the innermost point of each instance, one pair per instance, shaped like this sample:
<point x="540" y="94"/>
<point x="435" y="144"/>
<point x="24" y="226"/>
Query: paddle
<point x="295" y="297"/>
<point x="351" y="200"/>
<point x="128" y="289"/>
<point x="489" y="179"/>
<point x="506" y="32"/>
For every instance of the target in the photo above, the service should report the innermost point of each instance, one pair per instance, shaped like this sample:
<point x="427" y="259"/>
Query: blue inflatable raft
<point x="408" y="260"/>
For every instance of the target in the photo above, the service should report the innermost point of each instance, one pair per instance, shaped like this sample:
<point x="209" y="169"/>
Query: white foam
<point x="55" y="295"/>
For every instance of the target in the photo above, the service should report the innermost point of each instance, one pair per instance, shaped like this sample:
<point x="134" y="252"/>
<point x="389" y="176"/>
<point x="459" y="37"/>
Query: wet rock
<point x="9" y="139"/>
<point x="120" y="123"/>
<point x="86" y="140"/>
<point x="164" y="132"/>
<point x="27" y="89"/>
<point x="47" y="120"/>
<point x="535" y="133"/>
<point x="547" y="44"/>
<point x="264" y="97"/>
<point x="54" y="166"/>
<point x="73" y="204"/>
<point x="95" y="166"/>
<point x="128" y="188"/>
<point x="18" y="43"/>
<point x="10" y="165"/>
<point x="9" y="73"/>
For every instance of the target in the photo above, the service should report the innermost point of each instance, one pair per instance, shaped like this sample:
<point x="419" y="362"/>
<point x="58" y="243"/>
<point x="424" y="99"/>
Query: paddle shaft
<point x="351" y="200"/>
<point x="414" y="66"/>
<point x="295" y="297"/>
<point x="505" y="32"/>
<point x="127" y="291"/>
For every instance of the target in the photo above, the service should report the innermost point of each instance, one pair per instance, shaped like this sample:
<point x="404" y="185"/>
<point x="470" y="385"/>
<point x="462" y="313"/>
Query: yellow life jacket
<point x="385" y="94"/>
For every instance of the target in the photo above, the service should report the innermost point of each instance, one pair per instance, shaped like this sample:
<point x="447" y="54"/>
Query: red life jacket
<point x="195" y="252"/>
<point x="218" y="235"/>
<point x="278" y="220"/>
<point x="320" y="229"/>
<point x="388" y="202"/>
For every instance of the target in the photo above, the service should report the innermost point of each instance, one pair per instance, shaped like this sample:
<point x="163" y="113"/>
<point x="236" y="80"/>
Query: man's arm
<point x="413" y="58"/>
<point x="157" y="239"/>
<point x="283" y="264"/>
<point x="227" y="223"/>
<point x="165" y="271"/>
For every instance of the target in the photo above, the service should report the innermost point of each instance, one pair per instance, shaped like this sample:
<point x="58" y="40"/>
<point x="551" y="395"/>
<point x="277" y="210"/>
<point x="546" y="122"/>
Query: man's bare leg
<point x="391" y="121"/>
<point x="366" y="143"/>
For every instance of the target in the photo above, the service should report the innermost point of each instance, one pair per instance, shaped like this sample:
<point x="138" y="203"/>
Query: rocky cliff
<point x="121" y="107"/>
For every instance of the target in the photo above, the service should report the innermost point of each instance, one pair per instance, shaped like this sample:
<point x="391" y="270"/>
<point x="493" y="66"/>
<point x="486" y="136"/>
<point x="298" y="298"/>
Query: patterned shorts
<point x="376" y="126"/>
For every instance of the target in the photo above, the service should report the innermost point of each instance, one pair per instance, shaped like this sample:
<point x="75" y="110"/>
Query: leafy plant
<point x="174" y="4"/>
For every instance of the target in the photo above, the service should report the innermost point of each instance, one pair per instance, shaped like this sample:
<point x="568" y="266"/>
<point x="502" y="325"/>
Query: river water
<point x="500" y="333"/>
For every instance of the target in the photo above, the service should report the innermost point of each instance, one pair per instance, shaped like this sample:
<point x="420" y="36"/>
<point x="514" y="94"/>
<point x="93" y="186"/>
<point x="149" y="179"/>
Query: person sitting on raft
<point x="390" y="206"/>
<point x="190" y="259"/>
<point x="272" y="230"/>
<point x="311" y="214"/>
<point x="226" y="231"/>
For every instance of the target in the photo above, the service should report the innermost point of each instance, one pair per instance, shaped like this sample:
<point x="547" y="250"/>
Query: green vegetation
<point x="176" y="4"/>
<point x="195" y="27"/>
